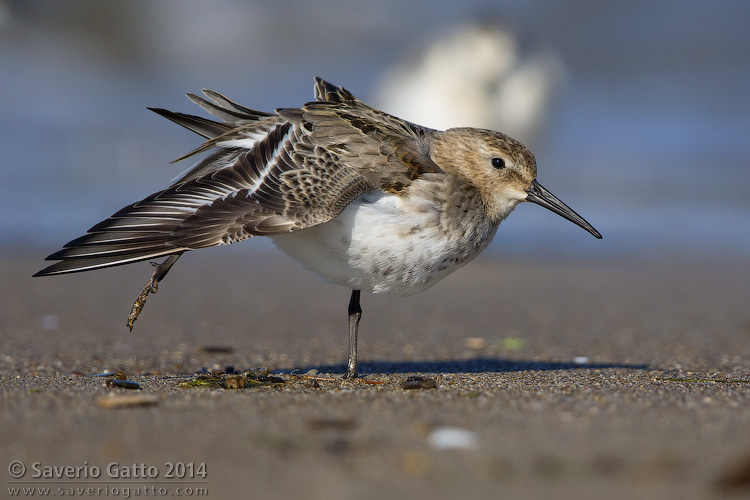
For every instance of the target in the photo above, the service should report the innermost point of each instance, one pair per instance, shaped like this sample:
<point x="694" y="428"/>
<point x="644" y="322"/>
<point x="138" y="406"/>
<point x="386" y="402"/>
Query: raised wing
<point x="268" y="174"/>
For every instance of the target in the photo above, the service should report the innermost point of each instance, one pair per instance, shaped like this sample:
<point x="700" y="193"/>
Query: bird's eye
<point x="498" y="163"/>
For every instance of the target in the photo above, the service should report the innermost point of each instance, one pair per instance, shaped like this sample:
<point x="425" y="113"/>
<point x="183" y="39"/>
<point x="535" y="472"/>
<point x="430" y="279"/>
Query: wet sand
<point x="574" y="380"/>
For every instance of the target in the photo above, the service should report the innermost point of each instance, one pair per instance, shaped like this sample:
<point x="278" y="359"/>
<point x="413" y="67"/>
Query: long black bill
<point x="537" y="194"/>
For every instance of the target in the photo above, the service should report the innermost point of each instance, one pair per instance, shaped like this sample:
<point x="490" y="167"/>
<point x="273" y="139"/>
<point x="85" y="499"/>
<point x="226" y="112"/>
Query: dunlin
<point x="364" y="199"/>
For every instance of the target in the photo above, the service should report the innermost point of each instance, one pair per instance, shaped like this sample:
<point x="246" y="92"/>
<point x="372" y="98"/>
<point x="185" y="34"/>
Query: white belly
<point x="383" y="243"/>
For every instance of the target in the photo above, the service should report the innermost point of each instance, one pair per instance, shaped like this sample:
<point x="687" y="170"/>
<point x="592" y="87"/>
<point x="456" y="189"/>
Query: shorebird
<point x="362" y="198"/>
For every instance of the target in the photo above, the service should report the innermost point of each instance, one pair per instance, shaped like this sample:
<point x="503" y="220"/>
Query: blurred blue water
<point x="649" y="140"/>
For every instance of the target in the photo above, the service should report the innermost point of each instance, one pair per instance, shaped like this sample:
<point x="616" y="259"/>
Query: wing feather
<point x="266" y="174"/>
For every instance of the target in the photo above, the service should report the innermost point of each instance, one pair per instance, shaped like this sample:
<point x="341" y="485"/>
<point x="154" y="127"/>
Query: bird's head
<point x="502" y="169"/>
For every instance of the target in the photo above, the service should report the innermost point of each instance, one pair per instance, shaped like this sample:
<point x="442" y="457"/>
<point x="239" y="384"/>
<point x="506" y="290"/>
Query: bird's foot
<point x="151" y="286"/>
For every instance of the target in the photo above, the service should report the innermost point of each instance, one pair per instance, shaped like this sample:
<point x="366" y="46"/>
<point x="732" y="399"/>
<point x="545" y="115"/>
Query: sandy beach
<point x="561" y="379"/>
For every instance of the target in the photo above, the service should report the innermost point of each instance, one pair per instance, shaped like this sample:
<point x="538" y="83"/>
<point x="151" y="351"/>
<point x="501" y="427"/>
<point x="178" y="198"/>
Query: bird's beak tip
<point x="536" y="193"/>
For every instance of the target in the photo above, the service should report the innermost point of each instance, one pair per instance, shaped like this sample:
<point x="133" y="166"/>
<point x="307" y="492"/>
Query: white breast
<point x="385" y="243"/>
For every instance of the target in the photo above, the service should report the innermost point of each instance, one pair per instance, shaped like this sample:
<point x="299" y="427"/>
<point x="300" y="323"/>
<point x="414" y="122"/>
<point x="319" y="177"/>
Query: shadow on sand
<point x="473" y="365"/>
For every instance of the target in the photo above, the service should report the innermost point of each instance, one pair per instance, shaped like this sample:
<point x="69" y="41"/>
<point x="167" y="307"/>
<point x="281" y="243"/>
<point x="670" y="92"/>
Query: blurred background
<point x="637" y="111"/>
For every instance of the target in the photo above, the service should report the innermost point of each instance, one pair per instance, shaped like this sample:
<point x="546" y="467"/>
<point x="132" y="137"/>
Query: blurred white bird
<point x="476" y="76"/>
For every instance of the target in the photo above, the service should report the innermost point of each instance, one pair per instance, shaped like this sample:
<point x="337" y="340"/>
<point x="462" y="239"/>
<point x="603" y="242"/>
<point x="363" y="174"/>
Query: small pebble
<point x="475" y="343"/>
<point x="123" y="384"/>
<point x="216" y="349"/>
<point x="128" y="401"/>
<point x="417" y="382"/>
<point x="453" y="438"/>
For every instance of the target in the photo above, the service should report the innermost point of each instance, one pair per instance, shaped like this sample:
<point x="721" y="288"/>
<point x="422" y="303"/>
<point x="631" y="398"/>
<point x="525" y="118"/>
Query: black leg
<point x="355" y="313"/>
